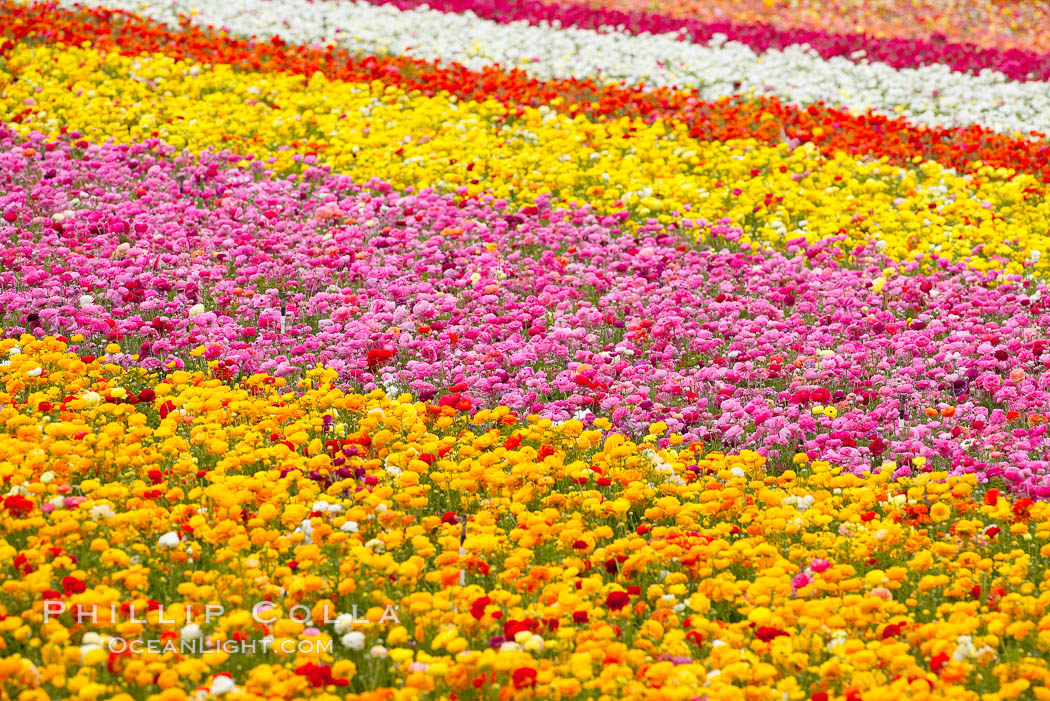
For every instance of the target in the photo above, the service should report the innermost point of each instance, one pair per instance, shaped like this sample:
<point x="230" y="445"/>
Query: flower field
<point x="472" y="350"/>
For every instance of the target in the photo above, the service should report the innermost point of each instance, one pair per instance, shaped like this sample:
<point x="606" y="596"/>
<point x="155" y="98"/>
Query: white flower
<point x="85" y="649"/>
<point x="837" y="638"/>
<point x="803" y="503"/>
<point x="104" y="512"/>
<point x="221" y="684"/>
<point x="92" y="398"/>
<point x="168" y="540"/>
<point x="377" y="651"/>
<point x="964" y="649"/>
<point x="306" y="529"/>
<point x="349" y="527"/>
<point x="195" y="310"/>
<point x="86" y="300"/>
<point x="35" y="372"/>
<point x="343" y="624"/>
<point x="533" y="644"/>
<point x="190" y="632"/>
<point x="354" y="640"/>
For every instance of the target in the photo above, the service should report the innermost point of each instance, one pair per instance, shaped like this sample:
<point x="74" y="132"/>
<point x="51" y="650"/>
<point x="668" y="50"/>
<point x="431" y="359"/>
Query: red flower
<point x="477" y="609"/>
<point x="767" y="633"/>
<point x="1021" y="507"/>
<point x="18" y="505"/>
<point x="72" y="585"/>
<point x="991" y="497"/>
<point x="512" y="628"/>
<point x="523" y="677"/>
<point x="378" y="357"/>
<point x="320" y="675"/>
<point x="616" y="600"/>
<point x="114" y="658"/>
<point x="891" y="631"/>
<point x="451" y="400"/>
<point x="580" y="617"/>
<point x="938" y="661"/>
<point x="820" y="395"/>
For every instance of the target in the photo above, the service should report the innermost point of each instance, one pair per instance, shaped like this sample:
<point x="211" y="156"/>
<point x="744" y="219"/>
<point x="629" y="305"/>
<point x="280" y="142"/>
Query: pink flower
<point x="882" y="593"/>
<point x="819" y="565"/>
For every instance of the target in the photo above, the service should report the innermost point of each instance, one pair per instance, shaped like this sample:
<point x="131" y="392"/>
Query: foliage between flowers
<point x="593" y="565"/>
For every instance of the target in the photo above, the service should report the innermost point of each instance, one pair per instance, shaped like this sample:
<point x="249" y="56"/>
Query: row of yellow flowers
<point x="655" y="169"/>
<point x="414" y="552"/>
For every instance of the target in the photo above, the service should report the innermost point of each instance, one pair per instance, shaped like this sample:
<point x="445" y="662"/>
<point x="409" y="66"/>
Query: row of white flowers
<point x="931" y="95"/>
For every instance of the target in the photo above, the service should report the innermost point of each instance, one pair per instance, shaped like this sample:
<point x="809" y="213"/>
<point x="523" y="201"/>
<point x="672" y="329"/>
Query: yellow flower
<point x="940" y="512"/>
